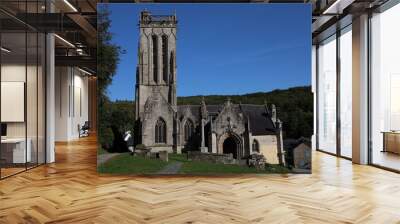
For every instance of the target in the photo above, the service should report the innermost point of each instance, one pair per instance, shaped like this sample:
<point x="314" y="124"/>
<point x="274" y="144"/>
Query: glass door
<point x="327" y="95"/>
<point x="345" y="92"/>
<point x="385" y="89"/>
<point x="14" y="156"/>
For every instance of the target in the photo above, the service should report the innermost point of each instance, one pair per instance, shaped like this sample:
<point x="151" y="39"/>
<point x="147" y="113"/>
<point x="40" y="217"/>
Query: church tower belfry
<point x="156" y="68"/>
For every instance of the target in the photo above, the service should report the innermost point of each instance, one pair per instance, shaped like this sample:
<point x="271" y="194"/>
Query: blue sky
<point x="222" y="48"/>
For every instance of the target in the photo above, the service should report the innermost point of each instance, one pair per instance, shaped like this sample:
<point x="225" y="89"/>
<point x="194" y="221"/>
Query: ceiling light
<point x="338" y="6"/>
<point x="5" y="50"/>
<point x="331" y="7"/>
<point x="64" y="40"/>
<point x="86" y="72"/>
<point x="70" y="5"/>
<point x="80" y="51"/>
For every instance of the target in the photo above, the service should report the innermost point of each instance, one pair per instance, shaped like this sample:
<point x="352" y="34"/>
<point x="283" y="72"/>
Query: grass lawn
<point x="195" y="167"/>
<point x="127" y="164"/>
<point x="177" y="157"/>
<point x="212" y="168"/>
<point x="101" y="150"/>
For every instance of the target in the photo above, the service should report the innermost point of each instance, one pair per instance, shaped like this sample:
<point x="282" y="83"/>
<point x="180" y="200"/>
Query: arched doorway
<point x="230" y="145"/>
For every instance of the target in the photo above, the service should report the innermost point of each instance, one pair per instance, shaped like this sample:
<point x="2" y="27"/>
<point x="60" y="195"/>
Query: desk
<point x="13" y="150"/>
<point x="391" y="141"/>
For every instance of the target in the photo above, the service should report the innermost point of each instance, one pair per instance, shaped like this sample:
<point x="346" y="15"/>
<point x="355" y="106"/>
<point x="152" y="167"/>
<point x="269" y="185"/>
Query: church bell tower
<point x="156" y="68"/>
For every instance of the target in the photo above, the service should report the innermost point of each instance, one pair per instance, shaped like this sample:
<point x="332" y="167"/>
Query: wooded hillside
<point x="294" y="107"/>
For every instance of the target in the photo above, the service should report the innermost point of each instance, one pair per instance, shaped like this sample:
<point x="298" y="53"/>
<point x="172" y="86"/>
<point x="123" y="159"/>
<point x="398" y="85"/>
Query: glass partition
<point x="327" y="95"/>
<point x="346" y="92"/>
<point x="385" y="89"/>
<point x="22" y="88"/>
<point x="13" y="94"/>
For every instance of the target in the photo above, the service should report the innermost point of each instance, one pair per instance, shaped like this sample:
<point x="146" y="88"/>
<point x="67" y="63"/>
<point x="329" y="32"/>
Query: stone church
<point x="161" y="124"/>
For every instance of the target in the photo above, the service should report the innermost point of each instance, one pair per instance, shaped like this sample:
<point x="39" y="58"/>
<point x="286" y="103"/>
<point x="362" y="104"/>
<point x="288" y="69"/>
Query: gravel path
<point x="105" y="157"/>
<point x="171" y="168"/>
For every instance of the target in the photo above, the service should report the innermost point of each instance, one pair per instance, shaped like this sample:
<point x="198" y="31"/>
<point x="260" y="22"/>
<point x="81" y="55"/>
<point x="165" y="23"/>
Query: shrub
<point x="106" y="138"/>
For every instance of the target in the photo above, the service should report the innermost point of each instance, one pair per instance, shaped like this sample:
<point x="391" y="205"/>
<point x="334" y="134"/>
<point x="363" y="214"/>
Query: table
<point x="391" y="141"/>
<point x="13" y="150"/>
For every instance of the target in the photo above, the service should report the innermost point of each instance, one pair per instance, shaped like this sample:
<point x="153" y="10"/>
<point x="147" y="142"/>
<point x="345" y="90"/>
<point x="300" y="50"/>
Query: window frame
<point x="257" y="144"/>
<point x="335" y="37"/>
<point x="160" y="131"/>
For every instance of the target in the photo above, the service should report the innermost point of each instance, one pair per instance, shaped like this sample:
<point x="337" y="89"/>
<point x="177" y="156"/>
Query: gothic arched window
<point x="155" y="58"/>
<point x="189" y="129"/>
<point x="256" y="146"/>
<point x="160" y="131"/>
<point x="165" y="57"/>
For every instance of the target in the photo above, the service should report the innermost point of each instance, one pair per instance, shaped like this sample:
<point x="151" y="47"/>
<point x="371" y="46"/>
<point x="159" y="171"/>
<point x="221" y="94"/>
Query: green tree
<point x="123" y="115"/>
<point x="108" y="56"/>
<point x="121" y="120"/>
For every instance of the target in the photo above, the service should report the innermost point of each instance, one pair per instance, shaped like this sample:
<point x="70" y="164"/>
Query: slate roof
<point x="260" y="120"/>
<point x="194" y="109"/>
<point x="214" y="109"/>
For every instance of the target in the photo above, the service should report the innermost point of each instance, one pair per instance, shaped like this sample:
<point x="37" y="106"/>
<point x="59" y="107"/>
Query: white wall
<point x="33" y="125"/>
<point x="61" y="104"/>
<point x="71" y="102"/>
<point x="13" y="74"/>
<point x="268" y="147"/>
<point x="16" y="73"/>
<point x="81" y="103"/>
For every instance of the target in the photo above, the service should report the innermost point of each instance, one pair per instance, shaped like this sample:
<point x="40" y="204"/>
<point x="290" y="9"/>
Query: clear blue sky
<point x="223" y="48"/>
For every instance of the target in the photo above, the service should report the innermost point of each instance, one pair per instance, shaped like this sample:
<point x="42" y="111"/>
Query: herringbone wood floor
<point x="70" y="191"/>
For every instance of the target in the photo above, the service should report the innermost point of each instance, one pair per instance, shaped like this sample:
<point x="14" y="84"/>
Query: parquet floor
<point x="70" y="191"/>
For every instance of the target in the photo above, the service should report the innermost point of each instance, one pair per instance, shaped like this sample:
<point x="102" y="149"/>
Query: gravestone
<point x="163" y="156"/>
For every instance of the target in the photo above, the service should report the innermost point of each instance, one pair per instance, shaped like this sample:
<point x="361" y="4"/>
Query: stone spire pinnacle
<point x="204" y="113"/>
<point x="228" y="101"/>
<point x="273" y="113"/>
<point x="266" y="105"/>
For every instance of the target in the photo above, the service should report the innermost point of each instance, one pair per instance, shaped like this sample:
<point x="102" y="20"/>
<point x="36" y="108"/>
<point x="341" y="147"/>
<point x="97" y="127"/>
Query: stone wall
<point x="229" y="119"/>
<point x="197" y="126"/>
<point x="160" y="148"/>
<point x="156" y="98"/>
<point x="302" y="156"/>
<point x="157" y="107"/>
<point x="211" y="157"/>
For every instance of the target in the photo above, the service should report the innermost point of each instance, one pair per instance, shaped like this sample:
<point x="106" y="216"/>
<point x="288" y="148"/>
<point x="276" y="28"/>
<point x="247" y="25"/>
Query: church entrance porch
<point x="230" y="146"/>
<point x="230" y="143"/>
